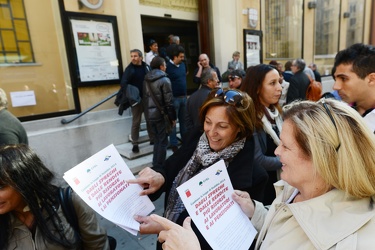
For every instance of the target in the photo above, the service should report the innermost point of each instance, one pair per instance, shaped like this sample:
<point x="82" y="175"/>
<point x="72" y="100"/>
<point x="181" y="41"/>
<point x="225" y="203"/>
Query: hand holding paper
<point x="244" y="200"/>
<point x="100" y="182"/>
<point x="176" y="237"/>
<point x="208" y="199"/>
<point x="150" y="180"/>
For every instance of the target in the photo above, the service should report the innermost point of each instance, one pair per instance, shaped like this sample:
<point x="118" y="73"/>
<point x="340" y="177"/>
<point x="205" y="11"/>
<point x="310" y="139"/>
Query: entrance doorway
<point x="160" y="28"/>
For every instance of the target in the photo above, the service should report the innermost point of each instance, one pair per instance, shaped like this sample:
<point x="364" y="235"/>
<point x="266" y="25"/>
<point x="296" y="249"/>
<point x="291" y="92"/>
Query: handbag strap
<point x="67" y="207"/>
<point x="154" y="99"/>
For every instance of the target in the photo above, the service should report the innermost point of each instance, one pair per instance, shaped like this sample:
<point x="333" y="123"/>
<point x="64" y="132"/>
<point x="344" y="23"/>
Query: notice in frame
<point x="100" y="181"/>
<point x="208" y="200"/>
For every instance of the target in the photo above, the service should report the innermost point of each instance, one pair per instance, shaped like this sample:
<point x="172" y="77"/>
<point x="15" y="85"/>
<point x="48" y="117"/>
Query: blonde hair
<point x="339" y="143"/>
<point x="3" y="99"/>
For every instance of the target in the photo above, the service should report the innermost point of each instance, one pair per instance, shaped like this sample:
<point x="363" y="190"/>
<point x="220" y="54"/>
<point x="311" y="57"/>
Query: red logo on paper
<point x="188" y="194"/>
<point x="76" y="181"/>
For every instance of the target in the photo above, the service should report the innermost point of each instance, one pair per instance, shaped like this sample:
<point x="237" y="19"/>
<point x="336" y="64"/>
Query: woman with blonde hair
<point x="326" y="196"/>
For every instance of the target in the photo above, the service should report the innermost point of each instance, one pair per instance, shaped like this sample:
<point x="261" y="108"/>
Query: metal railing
<point x="65" y="121"/>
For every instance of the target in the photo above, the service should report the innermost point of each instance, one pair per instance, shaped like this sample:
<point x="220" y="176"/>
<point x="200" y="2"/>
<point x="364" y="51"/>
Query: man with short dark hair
<point x="354" y="74"/>
<point x="209" y="81"/>
<point x="134" y="74"/>
<point x="299" y="82"/>
<point x="177" y="74"/>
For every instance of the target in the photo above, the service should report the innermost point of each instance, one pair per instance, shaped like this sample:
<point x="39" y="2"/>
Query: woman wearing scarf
<point x="262" y="85"/>
<point x="228" y="117"/>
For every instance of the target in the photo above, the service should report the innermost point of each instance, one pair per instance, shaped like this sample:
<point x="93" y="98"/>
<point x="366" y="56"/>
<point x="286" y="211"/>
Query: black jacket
<point x="243" y="173"/>
<point x="161" y="88"/>
<point x="193" y="107"/>
<point x="122" y="99"/>
<point x="297" y="87"/>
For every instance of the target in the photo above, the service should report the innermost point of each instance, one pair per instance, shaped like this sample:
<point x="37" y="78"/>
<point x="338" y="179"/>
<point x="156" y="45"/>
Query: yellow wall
<point x="46" y="77"/>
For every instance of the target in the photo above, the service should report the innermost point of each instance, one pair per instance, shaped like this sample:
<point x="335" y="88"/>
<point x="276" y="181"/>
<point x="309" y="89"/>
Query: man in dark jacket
<point x="157" y="82"/>
<point x="299" y="82"/>
<point x="134" y="75"/>
<point x="209" y="81"/>
<point x="317" y="75"/>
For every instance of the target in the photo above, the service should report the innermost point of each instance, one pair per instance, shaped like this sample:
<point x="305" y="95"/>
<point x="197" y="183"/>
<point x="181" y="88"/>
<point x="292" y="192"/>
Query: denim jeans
<point x="160" y="143"/>
<point x="179" y="104"/>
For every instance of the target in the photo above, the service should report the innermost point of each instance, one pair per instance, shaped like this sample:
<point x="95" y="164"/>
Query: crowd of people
<point x="301" y="169"/>
<point x="298" y="173"/>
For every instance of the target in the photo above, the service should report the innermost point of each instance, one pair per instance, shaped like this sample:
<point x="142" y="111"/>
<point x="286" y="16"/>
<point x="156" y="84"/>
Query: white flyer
<point x="101" y="182"/>
<point x="208" y="200"/>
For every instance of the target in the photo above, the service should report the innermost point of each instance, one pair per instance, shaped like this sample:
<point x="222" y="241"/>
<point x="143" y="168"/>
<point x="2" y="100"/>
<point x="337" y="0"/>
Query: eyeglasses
<point x="331" y="117"/>
<point x="232" y="97"/>
<point x="232" y="78"/>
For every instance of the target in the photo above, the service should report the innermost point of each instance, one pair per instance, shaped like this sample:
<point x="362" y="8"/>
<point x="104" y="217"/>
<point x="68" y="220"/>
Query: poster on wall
<point x="252" y="47"/>
<point x="92" y="48"/>
<point x="96" y="52"/>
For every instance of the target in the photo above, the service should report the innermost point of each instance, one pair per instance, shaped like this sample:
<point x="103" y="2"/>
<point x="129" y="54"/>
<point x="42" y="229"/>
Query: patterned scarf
<point x="202" y="158"/>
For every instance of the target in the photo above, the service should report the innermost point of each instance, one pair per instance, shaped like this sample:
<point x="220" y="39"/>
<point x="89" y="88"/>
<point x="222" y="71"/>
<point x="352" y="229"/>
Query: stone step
<point x="139" y="160"/>
<point x="125" y="150"/>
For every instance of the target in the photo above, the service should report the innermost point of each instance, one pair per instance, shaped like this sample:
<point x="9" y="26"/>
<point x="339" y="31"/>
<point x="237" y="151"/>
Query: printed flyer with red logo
<point x="208" y="200"/>
<point x="100" y="182"/>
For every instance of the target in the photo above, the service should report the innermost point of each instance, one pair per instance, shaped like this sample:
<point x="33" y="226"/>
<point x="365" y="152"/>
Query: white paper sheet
<point x="23" y="98"/>
<point x="207" y="198"/>
<point x="100" y="182"/>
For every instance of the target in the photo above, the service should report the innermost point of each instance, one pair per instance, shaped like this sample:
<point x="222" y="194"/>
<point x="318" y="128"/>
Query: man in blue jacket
<point x="177" y="74"/>
<point x="134" y="74"/>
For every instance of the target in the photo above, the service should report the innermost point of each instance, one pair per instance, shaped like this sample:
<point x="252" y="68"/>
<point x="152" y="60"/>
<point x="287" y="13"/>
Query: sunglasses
<point x="232" y="97"/>
<point x="232" y="78"/>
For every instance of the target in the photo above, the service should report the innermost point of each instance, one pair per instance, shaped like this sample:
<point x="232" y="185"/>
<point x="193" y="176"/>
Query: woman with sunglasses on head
<point x="31" y="216"/>
<point x="235" y="78"/>
<point x="228" y="122"/>
<point x="326" y="196"/>
<point x="262" y="84"/>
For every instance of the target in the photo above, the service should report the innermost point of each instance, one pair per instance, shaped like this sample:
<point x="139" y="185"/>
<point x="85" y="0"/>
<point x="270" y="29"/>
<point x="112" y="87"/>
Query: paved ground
<point x="127" y="241"/>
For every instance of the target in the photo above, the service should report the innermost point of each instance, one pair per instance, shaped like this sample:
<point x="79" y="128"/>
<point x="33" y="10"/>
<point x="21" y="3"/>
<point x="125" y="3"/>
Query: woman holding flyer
<point x="228" y="117"/>
<point x="326" y="196"/>
<point x="31" y="215"/>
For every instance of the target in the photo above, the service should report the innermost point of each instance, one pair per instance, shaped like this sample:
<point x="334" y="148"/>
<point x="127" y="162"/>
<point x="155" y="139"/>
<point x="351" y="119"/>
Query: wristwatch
<point x="92" y="4"/>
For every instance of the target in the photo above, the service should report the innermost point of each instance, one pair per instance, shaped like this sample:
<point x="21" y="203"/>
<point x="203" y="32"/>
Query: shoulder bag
<point x="66" y="202"/>
<point x="168" y="122"/>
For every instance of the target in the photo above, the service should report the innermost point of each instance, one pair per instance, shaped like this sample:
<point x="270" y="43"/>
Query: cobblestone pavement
<point x="127" y="241"/>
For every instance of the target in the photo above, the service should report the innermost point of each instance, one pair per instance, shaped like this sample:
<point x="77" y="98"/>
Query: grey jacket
<point x="93" y="236"/>
<point x="161" y="87"/>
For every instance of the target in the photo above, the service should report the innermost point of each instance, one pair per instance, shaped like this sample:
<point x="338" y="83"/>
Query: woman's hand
<point x="150" y="180"/>
<point x="147" y="225"/>
<point x="244" y="200"/>
<point x="176" y="237"/>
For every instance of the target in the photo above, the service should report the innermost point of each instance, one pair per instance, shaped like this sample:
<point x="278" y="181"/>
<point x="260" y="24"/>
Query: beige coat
<point x="329" y="221"/>
<point x="93" y="236"/>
